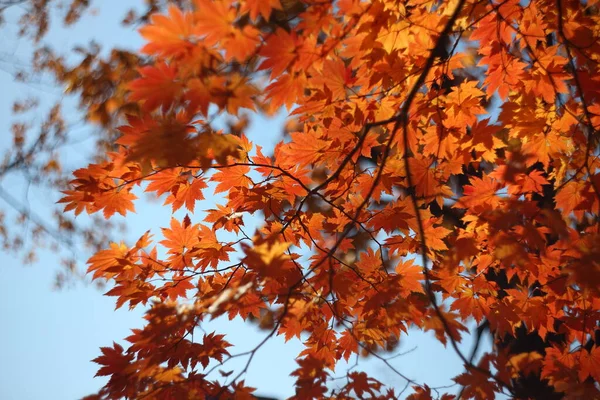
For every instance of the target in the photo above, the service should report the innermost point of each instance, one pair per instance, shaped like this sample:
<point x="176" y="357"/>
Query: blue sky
<point x="49" y="337"/>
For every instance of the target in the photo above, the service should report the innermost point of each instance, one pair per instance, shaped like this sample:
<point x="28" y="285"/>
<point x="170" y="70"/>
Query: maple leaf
<point x="169" y="35"/>
<point x="348" y="345"/>
<point x="505" y="72"/>
<point x="571" y="196"/>
<point x="590" y="364"/>
<point x="493" y="27"/>
<point x="393" y="217"/>
<point x="525" y="363"/>
<point x="115" y="201"/>
<point x="411" y="277"/>
<point x="464" y="105"/>
<point x="435" y="323"/>
<point x="157" y="87"/>
<point x="241" y="94"/>
<point x="113" y="361"/>
<point x="110" y="262"/>
<point x="484" y="140"/>
<point x="242" y="45"/>
<point x="361" y="383"/>
<point x="78" y="201"/>
<point x="434" y="235"/>
<point x="187" y="193"/>
<point x="199" y="94"/>
<point x="231" y="177"/>
<point x="424" y="176"/>
<point x="533" y="182"/>
<point x="482" y="193"/>
<point x="548" y="76"/>
<point x="224" y="217"/>
<point x="267" y="256"/>
<point x="307" y="148"/>
<point x="177" y="288"/>
<point x="213" y="346"/>
<point x="555" y="362"/>
<point x="132" y="291"/>
<point x="279" y="52"/>
<point x="165" y="181"/>
<point x="169" y="375"/>
<point x="470" y="306"/>
<point x="214" y="20"/>
<point x="336" y="77"/>
<point x="264" y="8"/>
<point x="180" y="239"/>
<point x="543" y="148"/>
<point x="216" y="146"/>
<point x="209" y="249"/>
<point x="477" y="386"/>
<point x="285" y="91"/>
<point x="421" y="393"/>
<point x="164" y="142"/>
<point x="96" y="189"/>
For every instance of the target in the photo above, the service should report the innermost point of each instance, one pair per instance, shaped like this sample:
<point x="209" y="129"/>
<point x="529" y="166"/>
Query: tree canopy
<point x="439" y="166"/>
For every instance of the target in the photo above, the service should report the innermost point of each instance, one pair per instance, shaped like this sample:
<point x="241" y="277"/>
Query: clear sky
<point x="49" y="337"/>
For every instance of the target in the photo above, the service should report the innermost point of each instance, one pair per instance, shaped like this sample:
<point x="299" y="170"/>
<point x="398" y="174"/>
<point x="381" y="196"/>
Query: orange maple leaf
<point x="411" y="277"/>
<point x="157" y="87"/>
<point x="113" y="361"/>
<point x="279" y="52"/>
<point x="262" y="7"/>
<point x="169" y="35"/>
<point x="231" y="177"/>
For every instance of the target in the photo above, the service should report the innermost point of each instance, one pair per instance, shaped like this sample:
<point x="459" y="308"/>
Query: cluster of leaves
<point x="43" y="131"/>
<point x="463" y="131"/>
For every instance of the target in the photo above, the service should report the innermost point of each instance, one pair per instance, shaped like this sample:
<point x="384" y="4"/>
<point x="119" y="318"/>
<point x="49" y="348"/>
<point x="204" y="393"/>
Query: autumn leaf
<point x="464" y="105"/>
<point x="411" y="277"/>
<point x="279" y="52"/>
<point x="165" y="181"/>
<point x="113" y="360"/>
<point x="213" y="346"/>
<point x="231" y="177"/>
<point x="187" y="193"/>
<point x="481" y="193"/>
<point x="348" y="345"/>
<point x="448" y="327"/>
<point x="361" y="383"/>
<point x="156" y="87"/>
<point x="470" y="306"/>
<point x="505" y="72"/>
<point x="180" y="239"/>
<point x="286" y="90"/>
<point x="307" y="148"/>
<point x="214" y="20"/>
<point x="336" y="78"/>
<point x="590" y="364"/>
<point x="110" y="261"/>
<point x="477" y="386"/>
<point x="224" y="217"/>
<point x="209" y="250"/>
<point x="116" y="201"/>
<point x="169" y="35"/>
<point x="264" y="8"/>
<point x="571" y="196"/>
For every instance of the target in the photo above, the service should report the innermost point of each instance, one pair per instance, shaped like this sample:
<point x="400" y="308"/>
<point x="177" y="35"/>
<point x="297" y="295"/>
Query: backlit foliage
<point x="464" y="132"/>
<point x="35" y="160"/>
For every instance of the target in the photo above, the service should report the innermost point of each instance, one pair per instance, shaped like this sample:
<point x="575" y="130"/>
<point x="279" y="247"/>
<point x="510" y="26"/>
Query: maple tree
<point x="464" y="132"/>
